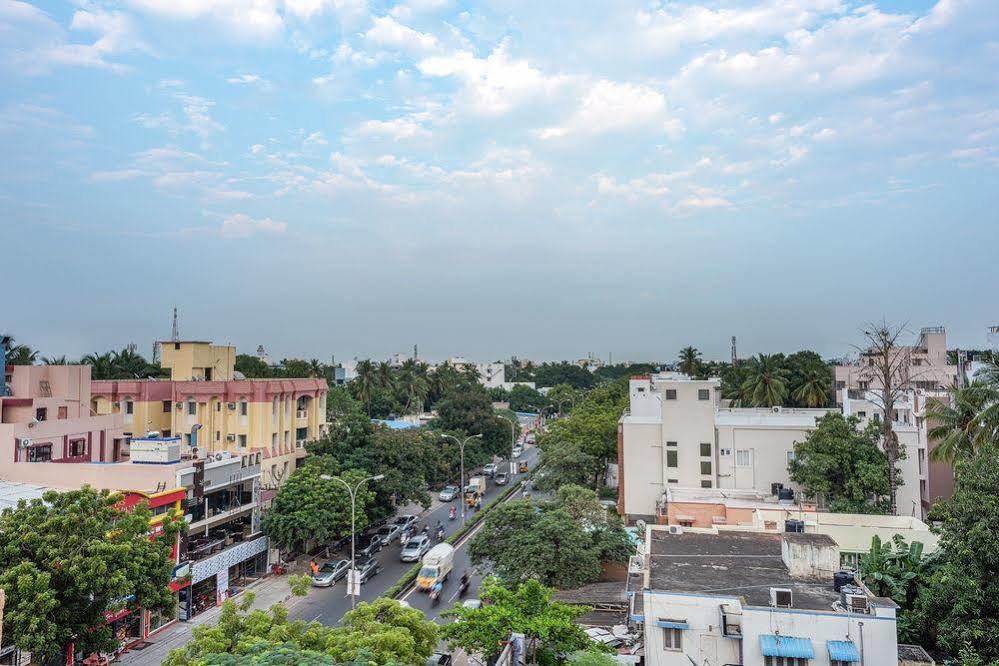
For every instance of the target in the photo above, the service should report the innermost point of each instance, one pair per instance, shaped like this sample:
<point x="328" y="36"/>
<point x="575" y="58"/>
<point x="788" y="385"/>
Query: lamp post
<point x="513" y="432"/>
<point x="461" y="479"/>
<point x="351" y="578"/>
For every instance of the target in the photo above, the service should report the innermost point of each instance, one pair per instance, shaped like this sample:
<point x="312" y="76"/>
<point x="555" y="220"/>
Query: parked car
<point x="404" y="521"/>
<point x="415" y="548"/>
<point x="389" y="533"/>
<point x="517" y="451"/>
<point x="368" y="545"/>
<point x="330" y="573"/>
<point x="448" y="494"/>
<point x="439" y="659"/>
<point x="368" y="568"/>
<point x="472" y="603"/>
<point x="490" y="469"/>
<point x="501" y="478"/>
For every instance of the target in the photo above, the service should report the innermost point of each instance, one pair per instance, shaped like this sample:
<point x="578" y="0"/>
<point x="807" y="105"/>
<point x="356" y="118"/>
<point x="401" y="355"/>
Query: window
<point x="705" y="484"/>
<point x="218" y="406"/>
<point x="790" y="457"/>
<point x="840" y="384"/>
<point x="77" y="448"/>
<point x="862" y="415"/>
<point x="40" y="453"/>
<point x="242" y="441"/>
<point x="176" y="345"/>
<point x="129" y="407"/>
<point x="725" y="452"/>
<point x="671" y="444"/>
<point x="671" y="394"/>
<point x="192" y="408"/>
<point x="784" y="661"/>
<point x="274" y="409"/>
<point x="41" y="414"/>
<point x="863" y="385"/>
<point x="243" y="408"/>
<point x="672" y="638"/>
<point x="166" y="406"/>
<point x="273" y="440"/>
<point x="672" y="481"/>
<point x="63" y="412"/>
<point x="705" y="449"/>
<point x="703" y="394"/>
<point x="744" y="458"/>
<point x="218" y="435"/>
<point x="671" y="459"/>
<point x="705" y="467"/>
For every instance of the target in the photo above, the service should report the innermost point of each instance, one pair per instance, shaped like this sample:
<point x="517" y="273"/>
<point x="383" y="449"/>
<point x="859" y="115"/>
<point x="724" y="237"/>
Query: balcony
<point x="302" y="414"/>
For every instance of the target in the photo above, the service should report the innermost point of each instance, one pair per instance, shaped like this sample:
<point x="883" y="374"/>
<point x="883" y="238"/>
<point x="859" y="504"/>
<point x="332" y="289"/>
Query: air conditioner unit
<point x="231" y="405"/>
<point x="24" y="442"/>
<point x="856" y="603"/>
<point x="179" y="406"/>
<point x="781" y="597"/>
<point x="676" y="529"/>
<point x="230" y="438"/>
<point x="775" y="409"/>
<point x="116" y="404"/>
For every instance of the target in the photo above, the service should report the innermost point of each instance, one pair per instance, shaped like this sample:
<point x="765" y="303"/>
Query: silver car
<point x="415" y="548"/>
<point x="389" y="533"/>
<point x="330" y="573"/>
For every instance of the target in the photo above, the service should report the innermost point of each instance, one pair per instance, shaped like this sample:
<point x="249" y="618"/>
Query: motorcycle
<point x="463" y="587"/>
<point x="440" y="533"/>
<point x="452" y="514"/>
<point x="435" y="597"/>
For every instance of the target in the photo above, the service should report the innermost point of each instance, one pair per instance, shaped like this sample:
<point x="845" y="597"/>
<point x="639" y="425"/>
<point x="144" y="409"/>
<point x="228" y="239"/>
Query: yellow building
<point x="206" y="403"/>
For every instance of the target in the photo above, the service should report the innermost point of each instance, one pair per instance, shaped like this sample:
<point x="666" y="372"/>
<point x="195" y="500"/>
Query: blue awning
<point x="669" y="624"/>
<point x="786" y="646"/>
<point x="637" y="618"/>
<point x="843" y="651"/>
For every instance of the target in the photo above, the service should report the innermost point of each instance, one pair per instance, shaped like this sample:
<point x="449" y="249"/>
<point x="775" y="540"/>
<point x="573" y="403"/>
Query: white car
<point x="490" y="469"/>
<point x="415" y="548"/>
<point x="448" y="494"/>
<point x="517" y="451"/>
<point x="471" y="603"/>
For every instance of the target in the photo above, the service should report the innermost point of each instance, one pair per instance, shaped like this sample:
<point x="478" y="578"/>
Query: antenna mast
<point x="735" y="358"/>
<point x="175" y="331"/>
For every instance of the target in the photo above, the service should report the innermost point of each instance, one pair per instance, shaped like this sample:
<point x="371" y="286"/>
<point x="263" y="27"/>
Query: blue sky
<point x="543" y="179"/>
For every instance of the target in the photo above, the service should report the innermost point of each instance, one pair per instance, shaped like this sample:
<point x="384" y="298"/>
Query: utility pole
<point x="735" y="357"/>
<point x="175" y="331"/>
<point x="416" y="354"/>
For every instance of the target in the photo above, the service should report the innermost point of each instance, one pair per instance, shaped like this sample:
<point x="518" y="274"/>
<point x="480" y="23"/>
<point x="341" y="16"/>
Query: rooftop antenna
<point x="962" y="360"/>
<point x="416" y="355"/>
<point x="735" y="358"/>
<point x="175" y="331"/>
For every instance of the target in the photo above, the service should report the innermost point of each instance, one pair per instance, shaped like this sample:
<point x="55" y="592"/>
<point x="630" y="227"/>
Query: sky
<point x="496" y="178"/>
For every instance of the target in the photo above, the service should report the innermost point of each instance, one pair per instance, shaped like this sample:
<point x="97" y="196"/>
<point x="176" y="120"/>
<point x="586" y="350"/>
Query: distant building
<point x="491" y="375"/>
<point x="757" y="599"/>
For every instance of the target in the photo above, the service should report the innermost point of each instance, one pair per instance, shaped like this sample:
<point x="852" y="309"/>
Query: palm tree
<point x="101" y="365"/>
<point x="386" y="377"/>
<point x="814" y="390"/>
<point x="129" y="364"/>
<point x="413" y="384"/>
<point x="55" y="360"/>
<point x="766" y="384"/>
<point x="366" y="382"/>
<point x="965" y="423"/>
<point x="690" y="361"/>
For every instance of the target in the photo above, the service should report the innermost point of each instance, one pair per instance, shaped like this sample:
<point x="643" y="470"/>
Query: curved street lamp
<point x="351" y="582"/>
<point x="461" y="479"/>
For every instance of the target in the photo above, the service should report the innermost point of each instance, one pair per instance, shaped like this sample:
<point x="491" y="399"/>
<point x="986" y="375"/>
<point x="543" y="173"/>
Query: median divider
<point x="409" y="577"/>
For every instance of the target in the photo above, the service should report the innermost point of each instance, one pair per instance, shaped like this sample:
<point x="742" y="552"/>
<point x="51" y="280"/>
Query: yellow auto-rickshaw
<point x="523" y="466"/>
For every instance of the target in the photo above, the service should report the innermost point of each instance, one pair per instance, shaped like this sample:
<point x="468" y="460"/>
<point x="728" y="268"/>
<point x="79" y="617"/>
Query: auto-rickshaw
<point x="523" y="466"/>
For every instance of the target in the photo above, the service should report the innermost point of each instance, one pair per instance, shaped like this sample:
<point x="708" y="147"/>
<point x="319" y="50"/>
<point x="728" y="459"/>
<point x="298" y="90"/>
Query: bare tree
<point x="886" y="366"/>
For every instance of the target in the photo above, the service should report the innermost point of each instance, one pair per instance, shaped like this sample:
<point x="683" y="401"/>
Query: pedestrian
<point x="314" y="567"/>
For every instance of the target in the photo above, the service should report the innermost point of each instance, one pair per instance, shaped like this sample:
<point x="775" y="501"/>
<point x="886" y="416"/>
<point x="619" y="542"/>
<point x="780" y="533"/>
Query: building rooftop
<point x="742" y="564"/>
<point x="791" y="417"/>
<point x="13" y="491"/>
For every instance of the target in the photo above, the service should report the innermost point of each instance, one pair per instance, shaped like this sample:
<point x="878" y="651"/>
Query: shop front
<point x="216" y="578"/>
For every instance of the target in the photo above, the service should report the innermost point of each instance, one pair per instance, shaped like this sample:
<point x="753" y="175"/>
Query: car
<point x="404" y="521"/>
<point x="366" y="569"/>
<point x="501" y="478"/>
<point x="415" y="548"/>
<point x="330" y="573"/>
<point x="472" y="603"/>
<point x="439" y="658"/>
<point x="490" y="469"/>
<point x="389" y="533"/>
<point x="448" y="494"/>
<point x="368" y="545"/>
<point x="517" y="451"/>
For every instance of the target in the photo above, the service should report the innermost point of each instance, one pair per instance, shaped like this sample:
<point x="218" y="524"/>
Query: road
<point x="327" y="605"/>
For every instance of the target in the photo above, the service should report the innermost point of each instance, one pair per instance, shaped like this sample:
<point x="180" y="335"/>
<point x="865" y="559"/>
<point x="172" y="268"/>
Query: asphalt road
<point x="327" y="605"/>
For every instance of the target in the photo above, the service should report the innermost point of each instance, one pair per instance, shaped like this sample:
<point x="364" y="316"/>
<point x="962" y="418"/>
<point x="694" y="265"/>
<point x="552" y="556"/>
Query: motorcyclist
<point x="452" y="513"/>
<point x="435" y="592"/>
<point x="463" y="583"/>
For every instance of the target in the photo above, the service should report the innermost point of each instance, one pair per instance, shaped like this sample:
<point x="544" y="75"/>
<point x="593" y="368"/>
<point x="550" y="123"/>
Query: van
<point x="437" y="566"/>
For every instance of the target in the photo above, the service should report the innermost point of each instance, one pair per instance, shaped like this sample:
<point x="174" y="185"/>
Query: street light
<point x="513" y="435"/>
<point x="352" y="578"/>
<point x="461" y="479"/>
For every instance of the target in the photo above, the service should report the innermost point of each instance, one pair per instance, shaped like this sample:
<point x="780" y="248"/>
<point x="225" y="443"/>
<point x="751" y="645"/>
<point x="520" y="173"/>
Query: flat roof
<point x="13" y="491"/>
<point x="739" y="564"/>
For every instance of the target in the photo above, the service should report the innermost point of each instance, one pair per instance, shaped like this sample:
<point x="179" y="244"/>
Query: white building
<point x="927" y="365"/>
<point x="676" y="434"/>
<point x="491" y="375"/>
<point x="755" y="599"/>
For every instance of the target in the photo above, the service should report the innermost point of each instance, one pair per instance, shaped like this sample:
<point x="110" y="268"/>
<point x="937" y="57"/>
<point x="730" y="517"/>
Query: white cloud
<point x="610" y="106"/>
<point x="240" y="225"/>
<point x="653" y="185"/>
<point x="195" y="111"/>
<point x="389" y="33"/>
<point x="315" y="139"/>
<point x="249" y="80"/>
<point x="824" y="134"/>
<point x="704" y="203"/>
<point x="492" y="85"/>
<point x="775" y="118"/>
<point x="397" y="129"/>
<point x="257" y="148"/>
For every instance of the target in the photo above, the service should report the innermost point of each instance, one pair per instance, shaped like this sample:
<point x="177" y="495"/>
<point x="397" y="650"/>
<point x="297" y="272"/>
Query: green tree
<point x="843" y="465"/>
<point x="966" y="422"/>
<point x="413" y="385"/>
<point x="959" y="607"/>
<point x="814" y="389"/>
<point x="252" y="367"/>
<point x="690" y="361"/>
<point x="525" y="399"/>
<point x="553" y="374"/>
<point x="68" y="558"/>
<point x="530" y="609"/>
<point x="386" y="632"/>
<point x="591" y="658"/>
<point x="766" y="381"/>
<point x="17" y="354"/>
<point x="897" y="569"/>
<point x="365" y="383"/>
<point x="565" y="462"/>
<point x="55" y="360"/>
<point x="307" y="506"/>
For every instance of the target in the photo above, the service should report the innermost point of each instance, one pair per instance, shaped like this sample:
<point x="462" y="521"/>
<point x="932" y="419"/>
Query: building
<point x="212" y="410"/>
<point x="758" y="511"/>
<point x="716" y="598"/>
<point x="676" y="434"/>
<point x="927" y="366"/>
<point x="491" y="375"/>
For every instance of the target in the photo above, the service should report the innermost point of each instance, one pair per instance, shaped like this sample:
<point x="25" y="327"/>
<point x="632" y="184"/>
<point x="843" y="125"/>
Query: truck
<point x="475" y="489"/>
<point x="437" y="566"/>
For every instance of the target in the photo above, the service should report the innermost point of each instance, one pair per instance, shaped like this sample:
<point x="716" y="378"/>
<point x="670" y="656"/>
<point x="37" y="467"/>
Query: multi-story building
<point x="491" y="375"/>
<point x="677" y="434"/>
<point x="927" y="367"/>
<point x="712" y="598"/>
<point x="212" y="409"/>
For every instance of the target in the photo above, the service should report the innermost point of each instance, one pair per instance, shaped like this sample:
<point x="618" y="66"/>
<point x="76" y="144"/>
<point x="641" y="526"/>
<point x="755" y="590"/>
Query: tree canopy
<point x="69" y="558"/>
<point x="843" y="465"/>
<point x="801" y="379"/>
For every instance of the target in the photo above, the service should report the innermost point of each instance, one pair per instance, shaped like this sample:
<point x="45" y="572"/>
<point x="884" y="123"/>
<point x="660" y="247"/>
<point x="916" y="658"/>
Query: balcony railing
<point x="302" y="414"/>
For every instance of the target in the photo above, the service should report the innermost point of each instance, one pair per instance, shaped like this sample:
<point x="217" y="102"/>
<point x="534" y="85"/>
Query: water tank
<point x="841" y="578"/>
<point x="793" y="525"/>
<point x="775" y="488"/>
<point x="785" y="494"/>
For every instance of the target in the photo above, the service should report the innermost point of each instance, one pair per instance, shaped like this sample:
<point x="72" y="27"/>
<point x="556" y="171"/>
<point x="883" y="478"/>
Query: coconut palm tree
<point x="129" y="364"/>
<point x="814" y="390"/>
<point x="366" y="382"/>
<point x="101" y="365"/>
<point x="965" y="423"/>
<point x="413" y="385"/>
<point x="386" y="377"/>
<point x="316" y="368"/>
<point x="55" y="360"/>
<point x="766" y="383"/>
<point x="690" y="361"/>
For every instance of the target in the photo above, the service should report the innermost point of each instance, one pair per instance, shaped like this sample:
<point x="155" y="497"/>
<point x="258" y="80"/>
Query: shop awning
<point x="843" y="651"/>
<point x="672" y="624"/>
<point x="786" y="646"/>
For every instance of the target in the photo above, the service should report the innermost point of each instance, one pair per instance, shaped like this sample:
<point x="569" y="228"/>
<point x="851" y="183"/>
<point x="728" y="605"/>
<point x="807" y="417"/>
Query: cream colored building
<point x="927" y="369"/>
